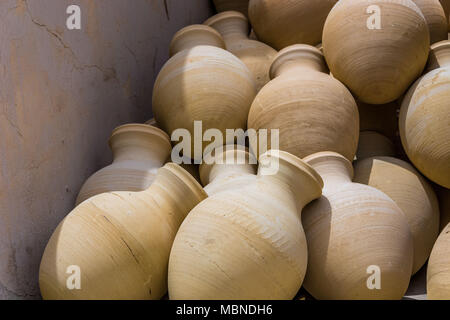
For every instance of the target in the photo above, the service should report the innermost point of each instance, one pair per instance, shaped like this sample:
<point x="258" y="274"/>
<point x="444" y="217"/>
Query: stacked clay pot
<point x="313" y="111"/>
<point x="202" y="82"/>
<point x="351" y="229"/>
<point x="372" y="144"/>
<point x="425" y="121"/>
<point x="412" y="193"/>
<point x="438" y="272"/>
<point x="257" y="56"/>
<point x="139" y="151"/>
<point x="436" y="19"/>
<point x="120" y="241"/>
<point x="446" y="6"/>
<point x="281" y="23"/>
<point x="233" y="5"/>
<point x="377" y="65"/>
<point x="247" y="243"/>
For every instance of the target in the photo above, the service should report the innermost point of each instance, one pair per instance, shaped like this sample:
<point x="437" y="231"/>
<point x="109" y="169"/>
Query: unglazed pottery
<point x="313" y="111"/>
<point x="257" y="56"/>
<point x="425" y="122"/>
<point x="378" y="65"/>
<point x="230" y="169"/>
<point x="436" y="19"/>
<point x="120" y="241"/>
<point x="247" y="243"/>
<point x="281" y="23"/>
<point x="412" y="193"/>
<point x="234" y="5"/>
<point x="372" y="144"/>
<point x="438" y="272"/>
<point x="446" y="6"/>
<point x="139" y="150"/>
<point x="202" y="83"/>
<point x="380" y="118"/>
<point x="352" y="230"/>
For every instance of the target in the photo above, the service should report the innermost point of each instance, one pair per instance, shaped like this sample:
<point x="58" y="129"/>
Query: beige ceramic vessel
<point x="257" y="56"/>
<point x="436" y="19"/>
<point x="378" y="65"/>
<point x="412" y="193"/>
<point x="446" y="6"/>
<point x="281" y="23"/>
<point x="351" y="230"/>
<point x="139" y="150"/>
<point x="425" y="121"/>
<point x="372" y="144"/>
<point x="202" y="83"/>
<point x="247" y="243"/>
<point x="120" y="241"/>
<point x="438" y="272"/>
<point x="234" y="5"/>
<point x="313" y="111"/>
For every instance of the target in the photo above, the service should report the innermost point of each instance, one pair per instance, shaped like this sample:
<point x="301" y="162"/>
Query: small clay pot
<point x="373" y="144"/>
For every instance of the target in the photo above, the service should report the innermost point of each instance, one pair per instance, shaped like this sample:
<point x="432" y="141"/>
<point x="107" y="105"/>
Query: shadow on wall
<point x="62" y="93"/>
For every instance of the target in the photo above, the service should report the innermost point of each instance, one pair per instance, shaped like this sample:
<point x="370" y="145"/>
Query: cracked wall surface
<point x="62" y="92"/>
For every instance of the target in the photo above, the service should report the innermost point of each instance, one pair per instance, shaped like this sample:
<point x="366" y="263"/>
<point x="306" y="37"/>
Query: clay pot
<point x="120" y="241"/>
<point x="436" y="19"/>
<point x="377" y="65"/>
<point x="425" y="122"/>
<point x="412" y="193"/>
<point x="313" y="111"/>
<point x="380" y="118"/>
<point x="139" y="150"/>
<point x="203" y="83"/>
<point x="351" y="229"/>
<point x="438" y="272"/>
<point x="444" y="206"/>
<point x="231" y="169"/>
<point x="446" y="6"/>
<point x="235" y="5"/>
<point x="281" y="23"/>
<point x="373" y="144"/>
<point x="247" y="243"/>
<point x="257" y="56"/>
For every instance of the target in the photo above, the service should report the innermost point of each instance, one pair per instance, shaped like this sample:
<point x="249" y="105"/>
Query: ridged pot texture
<point x="438" y="272"/>
<point x="436" y="19"/>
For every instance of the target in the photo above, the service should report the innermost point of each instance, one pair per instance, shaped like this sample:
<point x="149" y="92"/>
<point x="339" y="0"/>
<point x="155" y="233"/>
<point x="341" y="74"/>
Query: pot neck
<point x="296" y="59"/>
<point x="332" y="167"/>
<point x="286" y="169"/>
<point x="228" y="163"/>
<point x="140" y="142"/>
<point x="232" y="25"/>
<point x="195" y="35"/>
<point x="439" y="55"/>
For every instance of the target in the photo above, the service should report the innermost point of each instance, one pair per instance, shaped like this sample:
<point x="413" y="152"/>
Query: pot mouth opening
<point x="147" y="129"/>
<point x="328" y="155"/>
<point x="226" y="15"/>
<point x="209" y="37"/>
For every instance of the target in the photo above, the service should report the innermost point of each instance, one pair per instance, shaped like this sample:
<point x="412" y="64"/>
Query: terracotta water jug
<point x="354" y="231"/>
<point x="425" y="122"/>
<point x="247" y="243"/>
<point x="372" y="144"/>
<point x="234" y="5"/>
<point x="231" y="169"/>
<point x="313" y="111"/>
<point x="380" y="118"/>
<point x="446" y="6"/>
<point x="444" y="206"/>
<point x="436" y="19"/>
<point x="202" y="83"/>
<point x="139" y="150"/>
<point x="120" y="242"/>
<point x="438" y="272"/>
<point x="368" y="55"/>
<point x="281" y="23"/>
<point x="257" y="56"/>
<point x="412" y="193"/>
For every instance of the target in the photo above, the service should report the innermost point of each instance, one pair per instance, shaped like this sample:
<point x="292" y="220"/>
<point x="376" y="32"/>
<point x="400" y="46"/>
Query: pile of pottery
<point x="359" y="91"/>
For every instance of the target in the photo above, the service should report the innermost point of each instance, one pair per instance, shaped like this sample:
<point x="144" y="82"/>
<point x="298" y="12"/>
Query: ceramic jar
<point x="312" y="111"/>
<point x="425" y="122"/>
<point x="368" y="55"/>
<point x="247" y="243"/>
<point x="436" y="19"/>
<point x="139" y="150"/>
<point x="234" y="5"/>
<point x="446" y="6"/>
<point x="257" y="56"/>
<point x="281" y="23"/>
<point x="412" y="193"/>
<point x="202" y="83"/>
<point x="354" y="231"/>
<point x="380" y="118"/>
<point x="372" y="144"/>
<point x="438" y="272"/>
<point x="230" y="169"/>
<point x="120" y="241"/>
